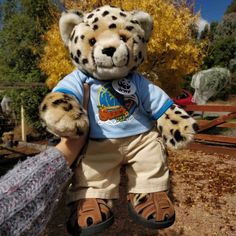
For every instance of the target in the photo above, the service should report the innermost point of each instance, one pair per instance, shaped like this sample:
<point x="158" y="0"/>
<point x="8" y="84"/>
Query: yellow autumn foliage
<point x="172" y="51"/>
<point x="55" y="61"/>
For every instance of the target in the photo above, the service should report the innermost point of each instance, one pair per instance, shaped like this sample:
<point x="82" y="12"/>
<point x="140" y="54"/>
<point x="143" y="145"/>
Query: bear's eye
<point x="123" y="38"/>
<point x="92" y="41"/>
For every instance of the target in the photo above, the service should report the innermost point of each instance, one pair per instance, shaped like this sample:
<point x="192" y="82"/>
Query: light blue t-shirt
<point x="120" y="108"/>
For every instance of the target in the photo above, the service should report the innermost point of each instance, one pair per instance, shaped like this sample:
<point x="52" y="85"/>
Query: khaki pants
<point x="98" y="173"/>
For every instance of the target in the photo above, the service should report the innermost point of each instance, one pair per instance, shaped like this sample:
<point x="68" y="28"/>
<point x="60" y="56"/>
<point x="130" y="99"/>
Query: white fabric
<point x="208" y="83"/>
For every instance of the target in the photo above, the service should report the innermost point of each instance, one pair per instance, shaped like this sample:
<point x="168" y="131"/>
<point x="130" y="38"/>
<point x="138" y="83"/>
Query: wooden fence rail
<point x="20" y="85"/>
<point x="219" y="143"/>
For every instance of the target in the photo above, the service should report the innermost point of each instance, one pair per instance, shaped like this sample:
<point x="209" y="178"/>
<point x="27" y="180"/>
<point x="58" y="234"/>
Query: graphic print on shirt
<point x="114" y="107"/>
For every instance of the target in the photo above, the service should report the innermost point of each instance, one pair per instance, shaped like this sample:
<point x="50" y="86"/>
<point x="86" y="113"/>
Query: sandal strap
<point x="163" y="205"/>
<point x="91" y="209"/>
<point x="157" y="206"/>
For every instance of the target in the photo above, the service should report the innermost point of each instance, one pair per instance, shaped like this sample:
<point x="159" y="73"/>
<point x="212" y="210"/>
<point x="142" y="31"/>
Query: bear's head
<point x="107" y="43"/>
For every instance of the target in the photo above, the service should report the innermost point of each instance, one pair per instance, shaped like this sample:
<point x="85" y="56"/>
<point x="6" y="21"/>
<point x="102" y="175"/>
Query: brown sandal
<point x="89" y="216"/>
<point x="155" y="210"/>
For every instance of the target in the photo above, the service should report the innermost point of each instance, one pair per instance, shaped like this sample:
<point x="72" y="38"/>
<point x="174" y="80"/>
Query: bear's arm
<point x="61" y="110"/>
<point x="175" y="126"/>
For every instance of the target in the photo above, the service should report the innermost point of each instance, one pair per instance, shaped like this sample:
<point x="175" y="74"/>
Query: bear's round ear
<point x="67" y="22"/>
<point x="146" y="22"/>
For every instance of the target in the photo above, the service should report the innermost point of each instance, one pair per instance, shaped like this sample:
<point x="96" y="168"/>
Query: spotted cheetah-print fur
<point x="176" y="127"/>
<point x="107" y="42"/>
<point x="63" y="115"/>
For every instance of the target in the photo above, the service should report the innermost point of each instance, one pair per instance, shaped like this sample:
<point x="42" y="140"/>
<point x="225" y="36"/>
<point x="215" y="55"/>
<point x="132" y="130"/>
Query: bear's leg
<point x="148" y="176"/>
<point x="95" y="184"/>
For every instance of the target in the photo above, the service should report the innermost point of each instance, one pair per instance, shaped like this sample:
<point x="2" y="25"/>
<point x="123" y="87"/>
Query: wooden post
<point x="23" y="127"/>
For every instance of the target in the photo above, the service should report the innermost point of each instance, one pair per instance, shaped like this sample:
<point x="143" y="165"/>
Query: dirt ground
<point x="203" y="190"/>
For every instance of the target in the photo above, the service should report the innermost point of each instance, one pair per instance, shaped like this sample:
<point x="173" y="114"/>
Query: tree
<point x="7" y="9"/>
<point x="23" y="22"/>
<point x="41" y="11"/>
<point x="18" y="51"/>
<point x="205" y="34"/>
<point x="227" y="26"/>
<point x="231" y="8"/>
<point x="213" y="28"/>
<point x="221" y="52"/>
<point x="223" y="46"/>
<point x="55" y="55"/>
<point x="172" y="52"/>
<point x="20" y="39"/>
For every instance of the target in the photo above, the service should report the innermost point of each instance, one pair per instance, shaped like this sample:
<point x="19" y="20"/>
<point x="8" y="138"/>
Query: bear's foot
<point x="153" y="210"/>
<point x="89" y="217"/>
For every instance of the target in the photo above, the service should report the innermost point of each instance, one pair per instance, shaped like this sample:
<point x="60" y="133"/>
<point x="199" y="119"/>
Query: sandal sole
<point x="97" y="228"/>
<point x="75" y="230"/>
<point x="152" y="224"/>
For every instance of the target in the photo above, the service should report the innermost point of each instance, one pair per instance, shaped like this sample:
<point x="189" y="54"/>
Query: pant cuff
<point x="142" y="189"/>
<point x="75" y="196"/>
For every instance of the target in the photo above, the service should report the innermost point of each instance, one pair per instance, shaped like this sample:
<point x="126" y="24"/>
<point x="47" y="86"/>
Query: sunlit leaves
<point x="55" y="62"/>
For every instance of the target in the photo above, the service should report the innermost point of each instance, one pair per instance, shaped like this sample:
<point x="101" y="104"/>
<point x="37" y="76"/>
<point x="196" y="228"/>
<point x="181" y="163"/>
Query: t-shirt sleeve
<point x="72" y="84"/>
<point x="154" y="100"/>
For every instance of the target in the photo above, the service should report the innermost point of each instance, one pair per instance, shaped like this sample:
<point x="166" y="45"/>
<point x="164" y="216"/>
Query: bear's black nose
<point x="109" y="51"/>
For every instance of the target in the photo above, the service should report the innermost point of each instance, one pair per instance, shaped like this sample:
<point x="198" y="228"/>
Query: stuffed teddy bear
<point x="130" y="120"/>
